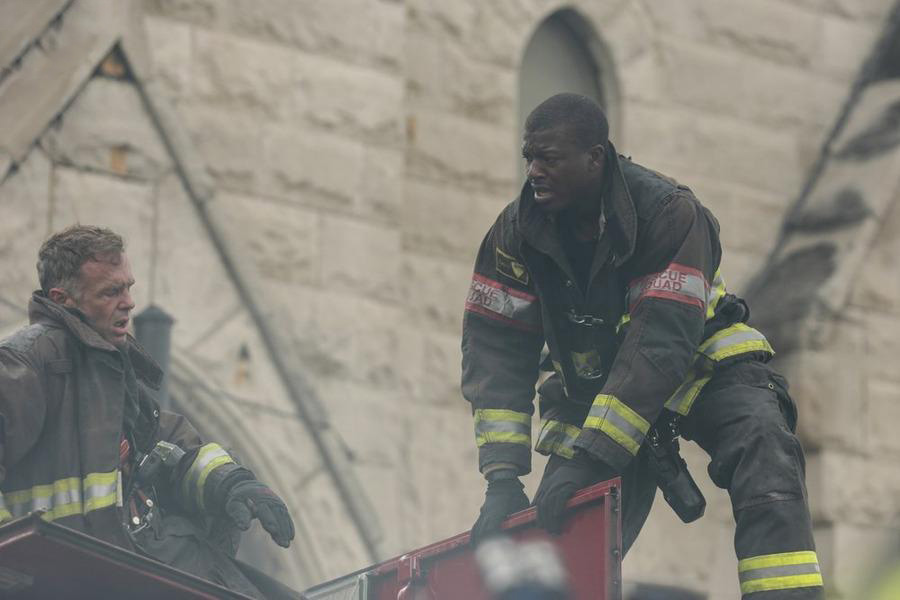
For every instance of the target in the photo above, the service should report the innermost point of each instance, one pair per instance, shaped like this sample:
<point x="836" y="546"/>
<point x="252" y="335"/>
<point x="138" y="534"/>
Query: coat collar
<point x="43" y="310"/>
<point x="618" y="208"/>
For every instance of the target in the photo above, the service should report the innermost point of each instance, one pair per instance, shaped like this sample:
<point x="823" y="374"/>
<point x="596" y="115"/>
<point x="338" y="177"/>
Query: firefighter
<point x="616" y="269"/>
<point x="82" y="440"/>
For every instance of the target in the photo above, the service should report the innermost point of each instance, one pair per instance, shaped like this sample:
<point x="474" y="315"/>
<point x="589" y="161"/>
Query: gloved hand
<point x="503" y="497"/>
<point x="562" y="483"/>
<point x="251" y="498"/>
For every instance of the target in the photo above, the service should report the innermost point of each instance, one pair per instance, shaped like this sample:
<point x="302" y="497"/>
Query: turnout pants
<point x="745" y="419"/>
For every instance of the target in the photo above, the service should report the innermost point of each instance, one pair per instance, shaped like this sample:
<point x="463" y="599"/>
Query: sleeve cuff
<point x="517" y="456"/>
<point x="603" y="448"/>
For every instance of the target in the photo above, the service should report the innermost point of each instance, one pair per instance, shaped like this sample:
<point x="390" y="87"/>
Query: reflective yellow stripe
<point x="683" y="398"/>
<point x="499" y="425"/>
<point x="618" y="421"/>
<point x="5" y="515"/>
<point x="626" y="318"/>
<point x="779" y="571"/>
<point x="731" y="341"/>
<point x="208" y="458"/>
<point x="716" y="291"/>
<point x="63" y="497"/>
<point x="557" y="438"/>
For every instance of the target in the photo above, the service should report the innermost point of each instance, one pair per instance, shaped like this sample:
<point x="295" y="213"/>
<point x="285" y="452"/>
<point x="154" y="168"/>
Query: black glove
<point x="574" y="474"/>
<point x="251" y="498"/>
<point x="503" y="497"/>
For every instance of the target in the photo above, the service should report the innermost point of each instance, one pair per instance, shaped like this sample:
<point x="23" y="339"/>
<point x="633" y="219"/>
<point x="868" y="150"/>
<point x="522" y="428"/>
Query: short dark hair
<point x="581" y="114"/>
<point x="62" y="255"/>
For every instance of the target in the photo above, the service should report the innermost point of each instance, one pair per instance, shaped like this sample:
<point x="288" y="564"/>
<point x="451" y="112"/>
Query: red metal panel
<point x="65" y="564"/>
<point x="589" y="548"/>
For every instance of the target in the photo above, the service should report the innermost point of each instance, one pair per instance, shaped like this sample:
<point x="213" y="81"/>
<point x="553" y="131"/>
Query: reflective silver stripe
<point x="558" y="438"/>
<point x="677" y="282"/>
<point x="63" y="497"/>
<point x="779" y="571"/>
<point x="495" y="425"/>
<point x="618" y="421"/>
<point x="209" y="457"/>
<point x="501" y="302"/>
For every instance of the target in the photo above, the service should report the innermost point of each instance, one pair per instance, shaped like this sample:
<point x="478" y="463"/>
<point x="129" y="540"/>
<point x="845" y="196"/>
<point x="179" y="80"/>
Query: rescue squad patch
<point x="678" y="282"/>
<point x="509" y="266"/>
<point x="502" y="303"/>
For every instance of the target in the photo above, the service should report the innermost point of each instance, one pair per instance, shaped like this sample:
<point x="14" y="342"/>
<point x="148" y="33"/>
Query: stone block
<point x="189" y="280"/>
<point x="230" y="142"/>
<point x="343" y="336"/>
<point x="350" y="100"/>
<point x="734" y="84"/>
<point x="382" y="188"/>
<point x="25" y="206"/>
<point x="436" y="291"/>
<point x="853" y="489"/>
<point x="360" y="257"/>
<point x="107" y="128"/>
<point x="440" y="375"/>
<point x="882" y="345"/>
<point x="882" y="415"/>
<point x="198" y="12"/>
<point x="318" y="169"/>
<point x="750" y="219"/>
<point x="442" y="462"/>
<point x="851" y="556"/>
<point x="172" y="54"/>
<point x="442" y="220"/>
<point x="280" y="242"/>
<point x="875" y="288"/>
<point x="441" y="76"/>
<point x="370" y="422"/>
<point x="831" y="394"/>
<point x="125" y="206"/>
<point x="333" y="538"/>
<point x="441" y="148"/>
<point x="718" y="148"/>
<point x="257" y="78"/>
<point x="356" y="30"/>
<point x="770" y="29"/>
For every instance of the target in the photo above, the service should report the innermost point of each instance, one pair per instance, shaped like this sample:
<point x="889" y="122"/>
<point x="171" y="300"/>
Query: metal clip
<point x="585" y="320"/>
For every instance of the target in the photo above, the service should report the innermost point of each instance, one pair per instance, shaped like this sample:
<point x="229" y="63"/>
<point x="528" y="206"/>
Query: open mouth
<point x="121" y="324"/>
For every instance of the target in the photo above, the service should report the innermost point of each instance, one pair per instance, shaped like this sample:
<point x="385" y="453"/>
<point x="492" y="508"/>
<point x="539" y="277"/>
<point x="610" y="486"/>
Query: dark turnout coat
<point x="645" y="333"/>
<point x="62" y="402"/>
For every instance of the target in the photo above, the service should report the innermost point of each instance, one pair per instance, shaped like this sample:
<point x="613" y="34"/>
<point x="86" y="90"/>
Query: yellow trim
<point x="5" y="515"/>
<point x="99" y="502"/>
<point x="784" y="559"/>
<point x="557" y="446"/>
<point x="46" y="490"/>
<point x="502" y="414"/>
<point x="619" y="436"/>
<point x="782" y="583"/>
<point x="741" y="348"/>
<point x="216" y="462"/>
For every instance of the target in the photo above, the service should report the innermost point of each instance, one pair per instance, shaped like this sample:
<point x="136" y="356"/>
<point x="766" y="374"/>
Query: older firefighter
<point x="83" y="441"/>
<point x="616" y="269"/>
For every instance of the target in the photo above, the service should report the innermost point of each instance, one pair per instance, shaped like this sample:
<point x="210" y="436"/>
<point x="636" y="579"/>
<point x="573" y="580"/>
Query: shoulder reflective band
<point x="557" y="438"/>
<point x="677" y="282"/>
<point x="63" y="497"/>
<point x="208" y="458"/>
<point x="609" y="415"/>
<point x="779" y="572"/>
<point x="731" y="341"/>
<point x="716" y="291"/>
<point x="498" y="425"/>
<point x="503" y="303"/>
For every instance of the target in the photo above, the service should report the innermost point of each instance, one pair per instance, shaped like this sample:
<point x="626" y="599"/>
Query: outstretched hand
<point x="252" y="499"/>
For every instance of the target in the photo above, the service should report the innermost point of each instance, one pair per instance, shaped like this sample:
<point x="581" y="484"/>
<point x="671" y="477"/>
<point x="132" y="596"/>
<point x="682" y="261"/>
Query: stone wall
<point x="358" y="151"/>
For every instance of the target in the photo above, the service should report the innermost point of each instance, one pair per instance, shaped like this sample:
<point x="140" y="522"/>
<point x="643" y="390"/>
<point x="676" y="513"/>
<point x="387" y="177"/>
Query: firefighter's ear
<point x="597" y="157"/>
<point x="60" y="296"/>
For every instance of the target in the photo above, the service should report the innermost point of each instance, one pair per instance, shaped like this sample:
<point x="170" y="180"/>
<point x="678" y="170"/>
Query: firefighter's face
<point x="103" y="294"/>
<point x="562" y="174"/>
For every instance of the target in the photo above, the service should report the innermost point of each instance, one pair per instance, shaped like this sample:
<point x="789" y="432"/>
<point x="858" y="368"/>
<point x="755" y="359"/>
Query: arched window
<point x="564" y="55"/>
